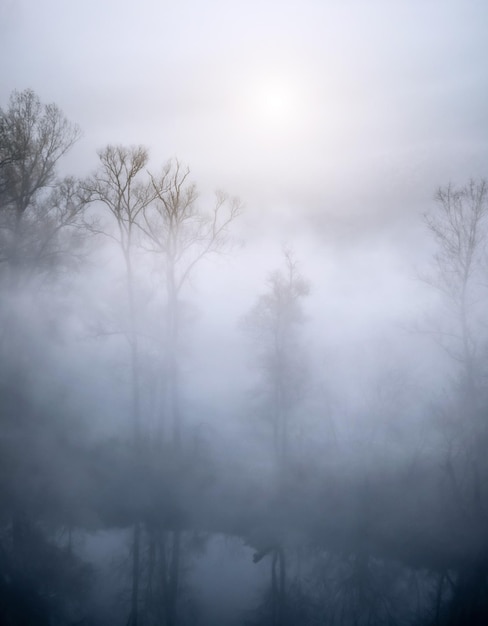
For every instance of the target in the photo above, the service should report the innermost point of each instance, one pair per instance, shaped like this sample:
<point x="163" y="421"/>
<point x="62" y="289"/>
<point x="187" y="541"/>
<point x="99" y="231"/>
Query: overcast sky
<point x="300" y="103"/>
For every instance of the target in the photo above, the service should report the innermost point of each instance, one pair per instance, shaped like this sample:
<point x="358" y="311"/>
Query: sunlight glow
<point x="276" y="104"/>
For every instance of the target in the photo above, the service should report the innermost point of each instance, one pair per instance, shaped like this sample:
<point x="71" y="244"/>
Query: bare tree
<point x="120" y="187"/>
<point x="459" y="228"/>
<point x="459" y="225"/>
<point x="35" y="208"/>
<point x="41" y="227"/>
<point x="183" y="234"/>
<point x="272" y="323"/>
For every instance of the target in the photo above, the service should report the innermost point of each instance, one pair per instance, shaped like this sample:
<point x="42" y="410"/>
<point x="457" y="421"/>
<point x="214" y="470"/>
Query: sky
<point x="309" y="106"/>
<point x="334" y="122"/>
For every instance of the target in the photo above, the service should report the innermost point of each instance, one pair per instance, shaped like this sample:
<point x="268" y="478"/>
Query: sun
<point x="275" y="104"/>
<point x="275" y="110"/>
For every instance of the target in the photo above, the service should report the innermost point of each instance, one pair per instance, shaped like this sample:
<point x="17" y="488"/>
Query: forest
<point x="168" y="460"/>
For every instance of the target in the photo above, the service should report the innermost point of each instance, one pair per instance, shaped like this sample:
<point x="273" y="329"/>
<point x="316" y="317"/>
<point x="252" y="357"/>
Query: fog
<point x="243" y="292"/>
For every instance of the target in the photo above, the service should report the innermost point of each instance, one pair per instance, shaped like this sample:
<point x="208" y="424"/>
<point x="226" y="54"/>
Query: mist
<point x="243" y="289"/>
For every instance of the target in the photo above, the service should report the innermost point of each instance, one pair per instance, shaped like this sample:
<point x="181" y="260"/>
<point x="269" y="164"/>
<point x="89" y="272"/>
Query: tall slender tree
<point x="120" y="186"/>
<point x="459" y="225"/>
<point x="273" y="324"/>
<point x="183" y="234"/>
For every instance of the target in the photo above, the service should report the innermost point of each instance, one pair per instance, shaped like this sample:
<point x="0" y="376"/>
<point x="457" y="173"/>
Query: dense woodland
<point x="379" y="521"/>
